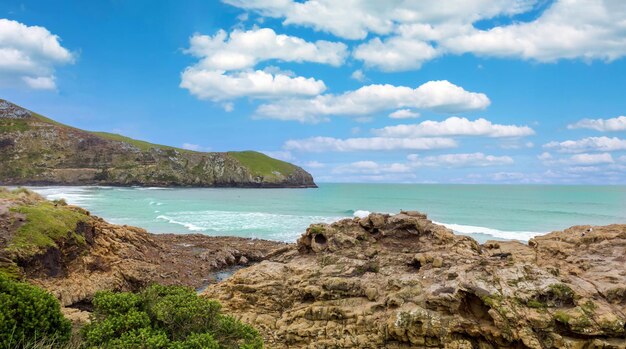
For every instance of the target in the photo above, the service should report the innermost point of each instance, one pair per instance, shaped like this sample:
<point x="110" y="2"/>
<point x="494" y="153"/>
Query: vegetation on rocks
<point x="164" y="317"/>
<point x="29" y="315"/>
<point x="45" y="224"/>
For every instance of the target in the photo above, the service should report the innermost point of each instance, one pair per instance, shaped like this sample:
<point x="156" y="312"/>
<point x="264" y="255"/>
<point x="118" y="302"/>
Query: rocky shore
<point x="403" y="282"/>
<point x="72" y="254"/>
<point x="383" y="281"/>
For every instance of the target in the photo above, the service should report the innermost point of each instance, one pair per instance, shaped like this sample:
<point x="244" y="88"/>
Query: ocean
<point x="482" y="211"/>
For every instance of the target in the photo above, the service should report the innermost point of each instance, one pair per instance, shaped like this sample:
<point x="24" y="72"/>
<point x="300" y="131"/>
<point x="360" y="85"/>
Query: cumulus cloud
<point x="455" y="126"/>
<point x="324" y="144"/>
<point x="594" y="144"/>
<point x="219" y="86"/>
<point x="244" y="49"/>
<point x="29" y="55"/>
<point x="440" y="96"/>
<point x="225" y="67"/>
<point x="587" y="29"/>
<point x="603" y="125"/>
<point x="460" y="160"/>
<point x="591" y="159"/>
<point x="404" y="114"/>
<point x="396" y="53"/>
<point x="355" y="19"/>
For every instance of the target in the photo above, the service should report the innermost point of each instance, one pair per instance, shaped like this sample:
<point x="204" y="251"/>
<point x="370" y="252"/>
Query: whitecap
<point x="189" y="226"/>
<point x="361" y="213"/>
<point x="472" y="230"/>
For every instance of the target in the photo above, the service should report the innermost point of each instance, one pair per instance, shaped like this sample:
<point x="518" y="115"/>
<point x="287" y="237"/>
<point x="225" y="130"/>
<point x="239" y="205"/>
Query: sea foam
<point x="475" y="231"/>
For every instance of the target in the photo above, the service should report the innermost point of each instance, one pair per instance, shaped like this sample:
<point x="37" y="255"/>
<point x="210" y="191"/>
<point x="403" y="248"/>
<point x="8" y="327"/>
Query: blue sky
<point x="516" y="91"/>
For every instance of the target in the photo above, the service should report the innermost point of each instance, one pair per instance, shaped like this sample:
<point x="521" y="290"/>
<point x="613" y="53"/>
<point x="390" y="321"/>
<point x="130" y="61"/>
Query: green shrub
<point x="164" y="317"/>
<point x="29" y="314"/>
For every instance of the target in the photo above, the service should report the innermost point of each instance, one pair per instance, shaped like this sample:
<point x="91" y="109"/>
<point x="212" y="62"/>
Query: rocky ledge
<point x="401" y="281"/>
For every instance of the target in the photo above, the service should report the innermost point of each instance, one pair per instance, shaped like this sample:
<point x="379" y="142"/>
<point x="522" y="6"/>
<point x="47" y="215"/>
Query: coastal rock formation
<point x="36" y="150"/>
<point x="73" y="254"/>
<point x="403" y="282"/>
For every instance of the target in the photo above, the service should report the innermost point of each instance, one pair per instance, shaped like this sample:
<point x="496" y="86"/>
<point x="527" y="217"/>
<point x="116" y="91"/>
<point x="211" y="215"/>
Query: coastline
<point x="385" y="278"/>
<point x="281" y="215"/>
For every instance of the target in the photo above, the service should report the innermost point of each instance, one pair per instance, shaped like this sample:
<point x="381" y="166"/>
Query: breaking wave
<point x="476" y="231"/>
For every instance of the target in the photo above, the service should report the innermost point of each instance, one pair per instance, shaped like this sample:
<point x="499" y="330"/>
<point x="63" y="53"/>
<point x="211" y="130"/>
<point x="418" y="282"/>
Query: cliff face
<point x="403" y="282"/>
<point x="37" y="150"/>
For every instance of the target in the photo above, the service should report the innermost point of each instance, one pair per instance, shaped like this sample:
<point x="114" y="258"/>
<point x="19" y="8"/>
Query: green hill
<point x="40" y="151"/>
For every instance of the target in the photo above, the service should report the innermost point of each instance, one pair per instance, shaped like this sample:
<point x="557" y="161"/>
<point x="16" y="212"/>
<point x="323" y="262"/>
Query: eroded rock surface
<point x="401" y="281"/>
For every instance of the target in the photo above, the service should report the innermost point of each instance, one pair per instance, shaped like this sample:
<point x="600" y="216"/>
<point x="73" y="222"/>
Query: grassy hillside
<point x="39" y="150"/>
<point x="262" y="164"/>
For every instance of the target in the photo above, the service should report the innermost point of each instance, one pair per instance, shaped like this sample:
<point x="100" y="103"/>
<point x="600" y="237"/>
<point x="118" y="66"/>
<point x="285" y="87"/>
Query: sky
<point x="449" y="91"/>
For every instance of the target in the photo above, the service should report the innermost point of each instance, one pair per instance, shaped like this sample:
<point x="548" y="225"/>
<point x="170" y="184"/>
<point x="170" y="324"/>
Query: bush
<point x="28" y="315"/>
<point x="164" y="317"/>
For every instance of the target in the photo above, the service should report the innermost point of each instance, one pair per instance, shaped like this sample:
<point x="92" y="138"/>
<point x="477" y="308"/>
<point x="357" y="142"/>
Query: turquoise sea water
<point x="483" y="211"/>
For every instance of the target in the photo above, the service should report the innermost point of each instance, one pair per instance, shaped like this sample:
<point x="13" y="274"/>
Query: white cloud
<point x="314" y="164"/>
<point x="195" y="147"/>
<point x="395" y="54"/>
<point x="455" y="126"/>
<point x="219" y="86"/>
<point x="404" y="114"/>
<point x="28" y="54"/>
<point x="40" y="83"/>
<point x="325" y="144"/>
<point x="599" y="144"/>
<point x="604" y="125"/>
<point x="566" y="29"/>
<point x="578" y="161"/>
<point x="358" y="75"/>
<point x="545" y="156"/>
<point x="587" y="29"/>
<point x="460" y="160"/>
<point x="224" y="70"/>
<point x="371" y="168"/>
<point x="508" y="176"/>
<point x="591" y="159"/>
<point x="355" y="19"/>
<point x="284" y="155"/>
<point x="440" y="96"/>
<point x="244" y="49"/>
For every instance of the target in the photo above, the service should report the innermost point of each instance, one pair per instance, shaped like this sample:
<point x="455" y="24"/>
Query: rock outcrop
<point x="39" y="151"/>
<point x="76" y="254"/>
<point x="403" y="282"/>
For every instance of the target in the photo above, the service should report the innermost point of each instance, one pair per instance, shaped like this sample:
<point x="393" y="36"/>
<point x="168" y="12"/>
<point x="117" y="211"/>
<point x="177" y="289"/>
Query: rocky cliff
<point x="73" y="254"/>
<point x="403" y="282"/>
<point x="37" y="150"/>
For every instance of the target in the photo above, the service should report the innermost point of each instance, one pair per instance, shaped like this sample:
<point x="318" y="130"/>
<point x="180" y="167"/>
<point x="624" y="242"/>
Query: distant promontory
<point x="35" y="150"/>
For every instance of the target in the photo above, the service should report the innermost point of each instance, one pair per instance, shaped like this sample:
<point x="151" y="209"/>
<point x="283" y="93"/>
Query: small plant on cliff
<point x="29" y="315"/>
<point x="165" y="317"/>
